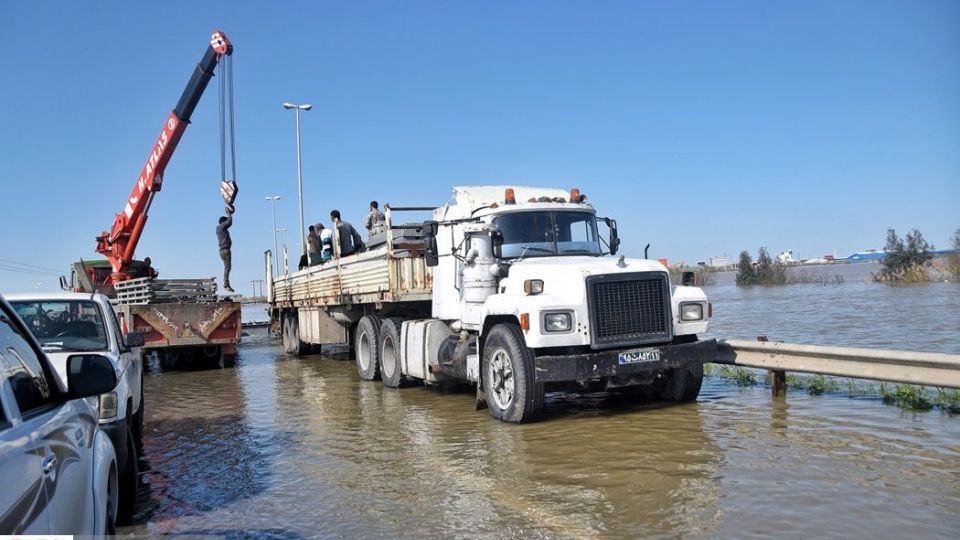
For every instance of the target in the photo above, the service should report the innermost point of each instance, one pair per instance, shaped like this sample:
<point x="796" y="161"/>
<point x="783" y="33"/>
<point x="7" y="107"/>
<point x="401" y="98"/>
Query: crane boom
<point x="119" y="244"/>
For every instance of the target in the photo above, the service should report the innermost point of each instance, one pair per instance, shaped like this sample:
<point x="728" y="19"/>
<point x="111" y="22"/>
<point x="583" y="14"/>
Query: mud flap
<point x="481" y="399"/>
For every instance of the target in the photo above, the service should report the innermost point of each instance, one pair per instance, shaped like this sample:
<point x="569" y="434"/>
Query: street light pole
<point x="276" y="250"/>
<point x="303" y="229"/>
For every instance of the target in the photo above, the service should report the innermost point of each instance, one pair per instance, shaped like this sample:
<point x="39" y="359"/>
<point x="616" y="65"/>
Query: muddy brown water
<point x="288" y="447"/>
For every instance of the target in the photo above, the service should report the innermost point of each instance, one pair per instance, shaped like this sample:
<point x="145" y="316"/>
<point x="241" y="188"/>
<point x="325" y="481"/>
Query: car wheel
<point x="389" y="351"/>
<point x="366" y="342"/>
<point x="110" y="518"/>
<point x="509" y="384"/>
<point x="138" y="422"/>
<point x="129" y="481"/>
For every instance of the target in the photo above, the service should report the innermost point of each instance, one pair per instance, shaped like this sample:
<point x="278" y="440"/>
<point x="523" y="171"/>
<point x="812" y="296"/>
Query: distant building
<point x="786" y="257"/>
<point x="723" y="261"/>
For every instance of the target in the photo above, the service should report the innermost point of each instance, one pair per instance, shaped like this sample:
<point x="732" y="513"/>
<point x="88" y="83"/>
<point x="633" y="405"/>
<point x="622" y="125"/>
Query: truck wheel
<point x="389" y="350"/>
<point x="291" y="336"/>
<point x="365" y="345"/>
<point x="683" y="383"/>
<point x="509" y="385"/>
<point x="129" y="481"/>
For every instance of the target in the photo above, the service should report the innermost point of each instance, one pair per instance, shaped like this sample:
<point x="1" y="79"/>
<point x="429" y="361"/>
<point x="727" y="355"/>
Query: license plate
<point x="632" y="357"/>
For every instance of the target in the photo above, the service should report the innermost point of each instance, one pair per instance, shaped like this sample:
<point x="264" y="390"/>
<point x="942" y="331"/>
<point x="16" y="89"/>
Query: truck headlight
<point x="557" y="322"/>
<point x="691" y="311"/>
<point x="108" y="405"/>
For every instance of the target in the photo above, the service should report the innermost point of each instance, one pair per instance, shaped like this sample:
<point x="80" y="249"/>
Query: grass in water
<point x="906" y="396"/>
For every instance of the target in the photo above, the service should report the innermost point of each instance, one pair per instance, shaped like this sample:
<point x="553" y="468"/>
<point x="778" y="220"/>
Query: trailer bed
<point x="380" y="275"/>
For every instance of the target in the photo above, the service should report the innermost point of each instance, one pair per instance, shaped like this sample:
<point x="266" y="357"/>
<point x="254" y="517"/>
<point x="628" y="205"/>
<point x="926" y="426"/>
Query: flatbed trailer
<point x="322" y="304"/>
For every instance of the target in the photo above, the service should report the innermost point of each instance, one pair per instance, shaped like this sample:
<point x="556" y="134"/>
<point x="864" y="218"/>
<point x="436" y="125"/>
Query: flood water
<point x="290" y="447"/>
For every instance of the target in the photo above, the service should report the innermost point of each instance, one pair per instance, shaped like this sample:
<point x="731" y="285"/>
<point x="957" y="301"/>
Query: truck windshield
<point x="546" y="234"/>
<point x="64" y="325"/>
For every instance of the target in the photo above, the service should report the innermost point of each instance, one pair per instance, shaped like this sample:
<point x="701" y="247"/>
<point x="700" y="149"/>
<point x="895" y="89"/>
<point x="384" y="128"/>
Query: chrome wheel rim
<point x="502" y="378"/>
<point x="388" y="357"/>
<point x="363" y="352"/>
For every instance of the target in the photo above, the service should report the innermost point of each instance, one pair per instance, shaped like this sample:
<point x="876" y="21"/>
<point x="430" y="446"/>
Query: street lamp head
<point x="306" y="107"/>
<point x="274" y="198"/>
<point x="289" y="106"/>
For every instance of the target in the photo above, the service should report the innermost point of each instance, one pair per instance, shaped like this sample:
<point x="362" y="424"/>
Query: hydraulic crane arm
<point x="119" y="244"/>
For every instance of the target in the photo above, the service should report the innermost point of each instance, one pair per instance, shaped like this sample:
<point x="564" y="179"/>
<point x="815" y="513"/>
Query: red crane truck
<point x="183" y="320"/>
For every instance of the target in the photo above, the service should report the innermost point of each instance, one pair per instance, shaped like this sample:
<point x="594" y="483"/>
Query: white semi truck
<point x="511" y="289"/>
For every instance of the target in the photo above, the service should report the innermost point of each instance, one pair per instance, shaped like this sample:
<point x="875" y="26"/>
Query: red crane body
<point x="119" y="244"/>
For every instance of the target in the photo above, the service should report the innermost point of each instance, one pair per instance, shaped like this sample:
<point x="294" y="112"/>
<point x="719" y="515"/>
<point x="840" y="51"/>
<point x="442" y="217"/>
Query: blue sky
<point x="703" y="127"/>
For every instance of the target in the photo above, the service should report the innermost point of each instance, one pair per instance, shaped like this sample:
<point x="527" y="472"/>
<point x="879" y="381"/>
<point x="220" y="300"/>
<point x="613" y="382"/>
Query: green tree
<point x="906" y="259"/>
<point x="745" y="272"/>
<point x="769" y="272"/>
<point x="953" y="260"/>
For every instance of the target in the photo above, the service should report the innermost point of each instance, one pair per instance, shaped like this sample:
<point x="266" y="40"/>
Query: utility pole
<point x="303" y="229"/>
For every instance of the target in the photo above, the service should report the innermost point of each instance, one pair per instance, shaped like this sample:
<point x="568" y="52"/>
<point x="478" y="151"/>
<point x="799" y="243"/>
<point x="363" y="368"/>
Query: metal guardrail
<point x="922" y="368"/>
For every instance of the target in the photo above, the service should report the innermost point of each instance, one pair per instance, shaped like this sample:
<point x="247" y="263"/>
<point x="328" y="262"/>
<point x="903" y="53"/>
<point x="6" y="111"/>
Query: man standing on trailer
<point x="375" y="220"/>
<point x="350" y="241"/>
<point x="223" y="238"/>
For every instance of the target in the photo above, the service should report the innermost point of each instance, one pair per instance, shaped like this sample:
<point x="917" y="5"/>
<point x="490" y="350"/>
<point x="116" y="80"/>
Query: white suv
<point x="58" y="468"/>
<point x="66" y="323"/>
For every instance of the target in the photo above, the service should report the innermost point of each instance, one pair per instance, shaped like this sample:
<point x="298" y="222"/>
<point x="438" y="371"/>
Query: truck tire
<point x="291" y="336"/>
<point x="129" y="482"/>
<point x="509" y="383"/>
<point x="683" y="383"/>
<point x="366" y="348"/>
<point x="389" y="350"/>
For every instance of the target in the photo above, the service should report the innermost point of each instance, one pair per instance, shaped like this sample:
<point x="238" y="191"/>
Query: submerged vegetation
<point x="766" y="271"/>
<point x="953" y="260"/>
<point x="703" y="276"/>
<point x="907" y="260"/>
<point x="907" y="397"/>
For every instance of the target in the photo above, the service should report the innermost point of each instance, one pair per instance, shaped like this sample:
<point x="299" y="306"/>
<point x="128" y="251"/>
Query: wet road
<point x="299" y="448"/>
<point x="291" y="448"/>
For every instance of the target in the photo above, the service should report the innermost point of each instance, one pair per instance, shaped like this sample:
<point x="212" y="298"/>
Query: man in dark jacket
<point x="223" y="239"/>
<point x="350" y="241"/>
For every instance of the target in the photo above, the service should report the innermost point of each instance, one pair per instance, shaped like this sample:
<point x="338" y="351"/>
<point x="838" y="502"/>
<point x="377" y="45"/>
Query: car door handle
<point x="49" y="463"/>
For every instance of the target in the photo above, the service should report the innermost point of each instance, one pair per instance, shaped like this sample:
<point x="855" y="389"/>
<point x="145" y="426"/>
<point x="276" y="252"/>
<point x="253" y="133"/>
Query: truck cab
<point x="551" y="302"/>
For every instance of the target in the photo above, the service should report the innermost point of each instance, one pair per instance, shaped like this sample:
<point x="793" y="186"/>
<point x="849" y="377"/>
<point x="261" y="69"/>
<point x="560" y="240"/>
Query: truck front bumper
<point x="603" y="364"/>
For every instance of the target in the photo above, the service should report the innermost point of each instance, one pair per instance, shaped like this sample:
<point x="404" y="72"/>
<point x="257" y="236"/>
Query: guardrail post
<point x="779" y="383"/>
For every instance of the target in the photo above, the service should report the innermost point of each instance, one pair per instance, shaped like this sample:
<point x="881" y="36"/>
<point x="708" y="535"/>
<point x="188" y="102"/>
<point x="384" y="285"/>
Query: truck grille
<point x="629" y="309"/>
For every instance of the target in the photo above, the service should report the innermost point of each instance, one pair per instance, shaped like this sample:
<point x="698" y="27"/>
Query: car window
<point x="64" y="325"/>
<point x="23" y="369"/>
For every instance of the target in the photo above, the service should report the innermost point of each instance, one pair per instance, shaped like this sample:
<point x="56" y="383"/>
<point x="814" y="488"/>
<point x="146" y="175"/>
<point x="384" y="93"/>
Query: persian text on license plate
<point x="632" y="357"/>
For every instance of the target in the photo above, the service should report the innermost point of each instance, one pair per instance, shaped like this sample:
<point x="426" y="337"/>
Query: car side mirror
<point x="63" y="284"/>
<point x="134" y="339"/>
<point x="431" y="254"/>
<point x="90" y="375"/>
<point x="614" y="237"/>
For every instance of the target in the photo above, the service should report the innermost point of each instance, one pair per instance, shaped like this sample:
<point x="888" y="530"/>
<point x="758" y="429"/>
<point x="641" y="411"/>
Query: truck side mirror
<point x="63" y="284"/>
<point x="496" y="242"/>
<point x="90" y="375"/>
<point x="614" y="237"/>
<point x="430" y="252"/>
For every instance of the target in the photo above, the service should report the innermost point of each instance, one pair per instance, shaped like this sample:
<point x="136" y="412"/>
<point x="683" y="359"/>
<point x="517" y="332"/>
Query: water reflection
<point x="284" y="447"/>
